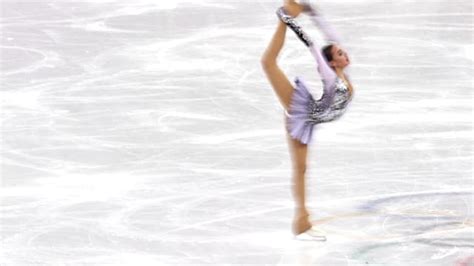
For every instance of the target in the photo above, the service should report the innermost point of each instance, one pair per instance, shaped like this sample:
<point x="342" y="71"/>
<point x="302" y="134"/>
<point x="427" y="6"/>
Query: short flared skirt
<point x="299" y="124"/>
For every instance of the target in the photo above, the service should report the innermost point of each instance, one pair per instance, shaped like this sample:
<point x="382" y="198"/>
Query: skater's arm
<point x="328" y="76"/>
<point x="327" y="73"/>
<point x="330" y="34"/>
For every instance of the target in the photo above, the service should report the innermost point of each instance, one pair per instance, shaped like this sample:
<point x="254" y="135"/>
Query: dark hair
<point x="327" y="52"/>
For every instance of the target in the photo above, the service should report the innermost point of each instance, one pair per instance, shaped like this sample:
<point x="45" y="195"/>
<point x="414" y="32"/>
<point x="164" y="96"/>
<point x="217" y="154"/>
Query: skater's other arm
<point x="330" y="34"/>
<point x="328" y="75"/>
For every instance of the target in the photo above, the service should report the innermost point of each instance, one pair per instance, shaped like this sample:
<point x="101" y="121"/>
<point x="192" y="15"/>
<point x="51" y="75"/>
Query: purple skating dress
<point x="304" y="111"/>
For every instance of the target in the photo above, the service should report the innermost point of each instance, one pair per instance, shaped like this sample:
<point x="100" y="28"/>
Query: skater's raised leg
<point x="280" y="83"/>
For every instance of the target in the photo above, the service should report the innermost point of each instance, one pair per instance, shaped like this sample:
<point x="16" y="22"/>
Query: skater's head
<point x="336" y="56"/>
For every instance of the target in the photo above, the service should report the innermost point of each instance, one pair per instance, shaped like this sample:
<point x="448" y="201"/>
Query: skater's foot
<point x="312" y="234"/>
<point x="308" y="8"/>
<point x="292" y="8"/>
<point x="304" y="230"/>
<point x="301" y="224"/>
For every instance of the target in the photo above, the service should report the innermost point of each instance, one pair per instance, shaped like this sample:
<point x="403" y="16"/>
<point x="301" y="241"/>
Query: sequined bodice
<point x="341" y="99"/>
<point x="343" y="95"/>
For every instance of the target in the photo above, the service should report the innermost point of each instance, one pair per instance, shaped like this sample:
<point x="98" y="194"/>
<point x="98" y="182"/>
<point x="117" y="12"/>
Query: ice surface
<point x="146" y="133"/>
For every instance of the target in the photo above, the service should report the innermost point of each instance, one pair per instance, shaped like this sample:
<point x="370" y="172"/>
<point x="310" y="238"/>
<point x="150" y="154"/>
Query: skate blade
<point x="311" y="234"/>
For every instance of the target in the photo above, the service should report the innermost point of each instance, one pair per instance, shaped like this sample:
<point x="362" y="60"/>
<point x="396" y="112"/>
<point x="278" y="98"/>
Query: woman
<point x="302" y="112"/>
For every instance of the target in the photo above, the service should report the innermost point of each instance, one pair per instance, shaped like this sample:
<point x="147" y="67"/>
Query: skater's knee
<point x="267" y="62"/>
<point x="299" y="169"/>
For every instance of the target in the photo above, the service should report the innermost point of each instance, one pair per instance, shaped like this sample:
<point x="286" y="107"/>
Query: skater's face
<point x="339" y="57"/>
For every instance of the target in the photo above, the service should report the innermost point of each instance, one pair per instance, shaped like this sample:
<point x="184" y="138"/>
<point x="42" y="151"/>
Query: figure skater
<point x="302" y="111"/>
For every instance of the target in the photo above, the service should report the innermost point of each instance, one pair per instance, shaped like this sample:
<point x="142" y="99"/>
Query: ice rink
<point x="146" y="133"/>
